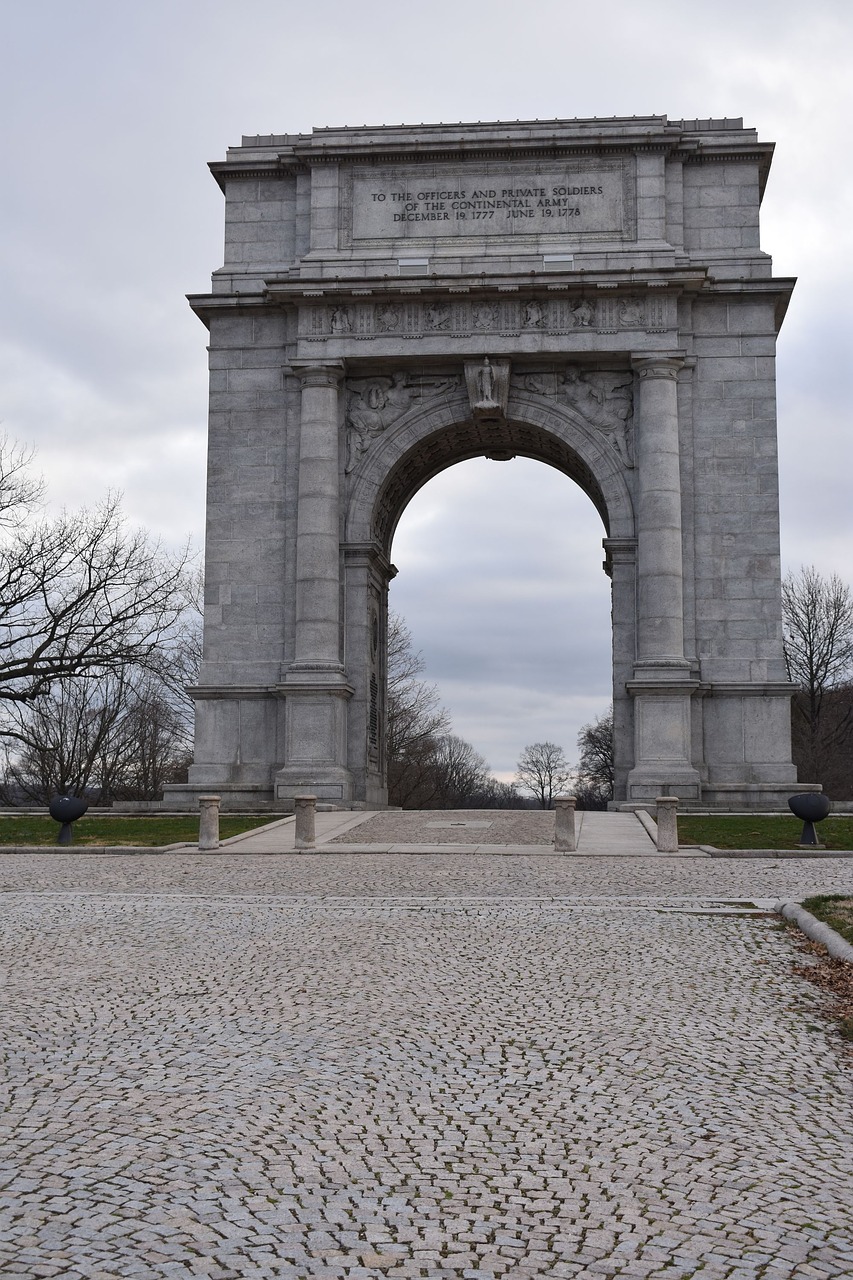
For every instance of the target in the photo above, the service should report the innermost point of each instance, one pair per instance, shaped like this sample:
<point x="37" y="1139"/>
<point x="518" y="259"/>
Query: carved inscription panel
<point x="592" y="199"/>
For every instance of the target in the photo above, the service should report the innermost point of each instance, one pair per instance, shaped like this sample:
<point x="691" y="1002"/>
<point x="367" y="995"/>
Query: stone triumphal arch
<point x="589" y="293"/>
